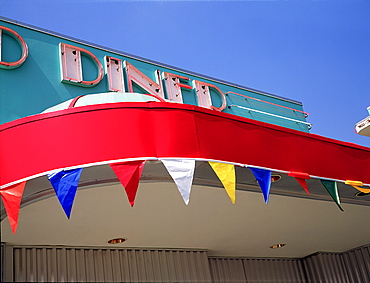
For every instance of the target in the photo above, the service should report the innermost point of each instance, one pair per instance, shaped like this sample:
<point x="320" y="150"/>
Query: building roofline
<point x="146" y="60"/>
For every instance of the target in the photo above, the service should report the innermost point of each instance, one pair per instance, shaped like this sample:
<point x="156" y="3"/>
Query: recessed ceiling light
<point x="276" y="246"/>
<point x="275" y="178"/>
<point x="361" y="194"/>
<point x="117" y="241"/>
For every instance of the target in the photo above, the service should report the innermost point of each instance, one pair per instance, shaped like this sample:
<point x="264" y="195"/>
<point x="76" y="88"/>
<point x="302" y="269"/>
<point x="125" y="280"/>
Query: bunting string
<point x="65" y="183"/>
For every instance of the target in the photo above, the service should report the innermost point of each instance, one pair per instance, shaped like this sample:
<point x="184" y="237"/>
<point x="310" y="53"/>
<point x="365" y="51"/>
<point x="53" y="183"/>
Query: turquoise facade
<point x="36" y="85"/>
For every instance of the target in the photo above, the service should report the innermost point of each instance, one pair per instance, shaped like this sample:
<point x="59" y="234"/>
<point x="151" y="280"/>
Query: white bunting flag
<point x="182" y="172"/>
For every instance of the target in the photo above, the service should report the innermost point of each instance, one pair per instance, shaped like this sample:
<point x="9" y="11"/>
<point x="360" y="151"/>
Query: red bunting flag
<point x="12" y="197"/>
<point x="129" y="174"/>
<point x="301" y="178"/>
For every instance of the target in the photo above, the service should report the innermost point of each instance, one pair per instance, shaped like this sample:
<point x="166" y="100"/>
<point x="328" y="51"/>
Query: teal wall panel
<point x="36" y="85"/>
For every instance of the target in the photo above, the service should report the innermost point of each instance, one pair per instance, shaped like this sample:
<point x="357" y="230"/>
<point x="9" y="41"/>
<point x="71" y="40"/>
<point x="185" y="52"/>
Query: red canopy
<point x="107" y="133"/>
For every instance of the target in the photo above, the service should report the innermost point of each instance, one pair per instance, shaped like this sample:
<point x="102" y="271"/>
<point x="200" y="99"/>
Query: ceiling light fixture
<point x="361" y="194"/>
<point x="117" y="241"/>
<point x="276" y="246"/>
<point x="275" y="178"/>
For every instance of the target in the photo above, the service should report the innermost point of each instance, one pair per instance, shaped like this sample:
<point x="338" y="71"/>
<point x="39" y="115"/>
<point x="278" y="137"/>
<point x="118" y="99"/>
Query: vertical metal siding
<point x="52" y="265"/>
<point x="2" y="259"/>
<point x="61" y="265"/>
<point x="80" y="266"/>
<point x="274" y="270"/>
<point x="357" y="263"/>
<point x="88" y="257"/>
<point x="326" y="268"/>
<point x="184" y="266"/>
<point x="171" y="265"/>
<point x="20" y="265"/>
<point x="98" y="265"/>
<point x="71" y="265"/>
<point x="226" y="270"/>
<point x="107" y="266"/>
<point x="202" y="267"/>
<point x="159" y="272"/>
<point x="125" y="267"/>
<point x="177" y="265"/>
<point x="116" y="267"/>
<point x="67" y="264"/>
<point x="41" y="265"/>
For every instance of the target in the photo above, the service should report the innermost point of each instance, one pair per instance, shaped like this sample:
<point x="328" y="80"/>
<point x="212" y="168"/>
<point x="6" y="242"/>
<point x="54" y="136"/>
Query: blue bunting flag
<point x="65" y="184"/>
<point x="263" y="178"/>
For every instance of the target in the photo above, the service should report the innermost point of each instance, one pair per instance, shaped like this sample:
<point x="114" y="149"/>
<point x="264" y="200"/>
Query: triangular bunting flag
<point x="301" y="178"/>
<point x="65" y="183"/>
<point x="129" y="174"/>
<point x="331" y="187"/>
<point x="226" y="173"/>
<point x="12" y="197"/>
<point x="182" y="172"/>
<point x="263" y="178"/>
<point x="356" y="185"/>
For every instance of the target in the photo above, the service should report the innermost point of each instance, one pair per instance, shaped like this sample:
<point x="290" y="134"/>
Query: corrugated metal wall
<point x="230" y="270"/>
<point x="325" y="268"/>
<point x="61" y="264"/>
<point x="274" y="270"/>
<point x="357" y="263"/>
<point x="2" y="262"/>
<point x="71" y="264"/>
<point x="352" y="266"/>
<point x="348" y="267"/>
<point x="225" y="270"/>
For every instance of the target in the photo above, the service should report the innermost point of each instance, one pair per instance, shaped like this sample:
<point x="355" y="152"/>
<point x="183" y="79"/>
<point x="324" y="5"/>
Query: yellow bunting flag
<point x="356" y="185"/>
<point x="226" y="174"/>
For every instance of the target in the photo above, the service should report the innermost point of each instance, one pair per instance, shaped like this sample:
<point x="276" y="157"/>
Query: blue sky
<point x="316" y="52"/>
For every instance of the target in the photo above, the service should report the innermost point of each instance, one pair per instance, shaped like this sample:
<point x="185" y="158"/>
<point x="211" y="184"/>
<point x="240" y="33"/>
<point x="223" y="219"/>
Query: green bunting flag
<point x="331" y="187"/>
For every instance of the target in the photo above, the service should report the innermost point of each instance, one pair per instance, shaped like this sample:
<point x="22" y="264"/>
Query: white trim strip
<point x="278" y="116"/>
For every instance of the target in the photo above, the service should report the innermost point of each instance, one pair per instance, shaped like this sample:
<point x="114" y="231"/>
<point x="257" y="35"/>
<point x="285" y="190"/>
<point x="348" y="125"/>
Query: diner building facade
<point x="116" y="168"/>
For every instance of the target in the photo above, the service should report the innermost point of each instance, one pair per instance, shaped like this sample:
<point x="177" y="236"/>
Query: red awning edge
<point x="105" y="133"/>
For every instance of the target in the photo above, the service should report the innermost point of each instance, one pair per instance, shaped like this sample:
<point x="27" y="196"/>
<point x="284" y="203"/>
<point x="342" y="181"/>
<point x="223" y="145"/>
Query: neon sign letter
<point x="21" y="42"/>
<point x="71" y="67"/>
<point x="204" y="95"/>
<point x="174" y="85"/>
<point x="147" y="84"/>
<point x="113" y="67"/>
